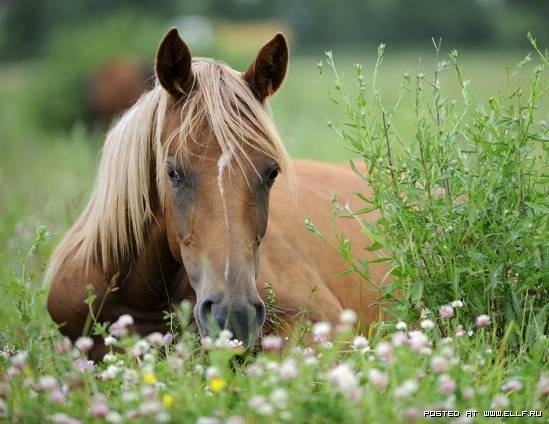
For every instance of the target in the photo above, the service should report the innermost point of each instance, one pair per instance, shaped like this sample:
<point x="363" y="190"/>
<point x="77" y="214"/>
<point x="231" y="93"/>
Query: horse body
<point x="301" y="268"/>
<point x="184" y="191"/>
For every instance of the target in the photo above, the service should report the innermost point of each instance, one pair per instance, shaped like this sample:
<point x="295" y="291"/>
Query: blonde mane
<point x="131" y="178"/>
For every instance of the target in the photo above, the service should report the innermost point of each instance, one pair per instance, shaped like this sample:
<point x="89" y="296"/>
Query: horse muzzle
<point x="244" y="320"/>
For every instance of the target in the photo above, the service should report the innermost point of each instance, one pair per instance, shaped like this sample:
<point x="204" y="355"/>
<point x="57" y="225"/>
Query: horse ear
<point x="266" y="73"/>
<point x="173" y="64"/>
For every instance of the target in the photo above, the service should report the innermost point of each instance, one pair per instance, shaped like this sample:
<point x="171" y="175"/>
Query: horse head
<point x="221" y="156"/>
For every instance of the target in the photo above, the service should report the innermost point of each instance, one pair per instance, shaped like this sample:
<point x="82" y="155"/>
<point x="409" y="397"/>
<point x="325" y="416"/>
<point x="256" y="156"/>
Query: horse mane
<point x="131" y="178"/>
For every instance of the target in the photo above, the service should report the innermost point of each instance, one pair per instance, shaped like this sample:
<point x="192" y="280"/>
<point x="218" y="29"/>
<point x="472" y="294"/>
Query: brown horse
<point x="185" y="185"/>
<point x="114" y="87"/>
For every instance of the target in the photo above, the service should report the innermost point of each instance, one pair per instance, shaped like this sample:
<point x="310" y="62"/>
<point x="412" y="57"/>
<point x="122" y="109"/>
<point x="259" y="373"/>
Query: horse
<point x="114" y="87"/>
<point x="185" y="206"/>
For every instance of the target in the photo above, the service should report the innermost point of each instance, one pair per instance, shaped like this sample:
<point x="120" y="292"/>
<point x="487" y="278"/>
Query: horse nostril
<point x="205" y="311"/>
<point x="260" y="312"/>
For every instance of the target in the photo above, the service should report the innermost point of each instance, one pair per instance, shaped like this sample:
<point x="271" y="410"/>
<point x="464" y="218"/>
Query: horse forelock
<point x="131" y="178"/>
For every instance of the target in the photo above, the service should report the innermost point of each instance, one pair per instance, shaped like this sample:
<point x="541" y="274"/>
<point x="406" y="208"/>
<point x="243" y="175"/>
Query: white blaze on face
<point x="224" y="159"/>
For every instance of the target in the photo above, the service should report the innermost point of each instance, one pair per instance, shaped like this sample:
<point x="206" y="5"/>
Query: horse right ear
<point x="173" y="64"/>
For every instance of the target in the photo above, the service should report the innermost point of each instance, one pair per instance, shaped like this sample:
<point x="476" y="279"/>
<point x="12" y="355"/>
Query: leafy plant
<point x="463" y="204"/>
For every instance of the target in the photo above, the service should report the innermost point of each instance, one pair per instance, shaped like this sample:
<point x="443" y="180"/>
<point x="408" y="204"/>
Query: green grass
<point x="45" y="177"/>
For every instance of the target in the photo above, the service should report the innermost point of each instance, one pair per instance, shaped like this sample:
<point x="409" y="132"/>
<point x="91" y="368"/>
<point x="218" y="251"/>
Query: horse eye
<point x="273" y="174"/>
<point x="174" y="175"/>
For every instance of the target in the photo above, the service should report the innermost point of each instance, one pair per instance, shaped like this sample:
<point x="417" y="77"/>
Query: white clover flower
<point x="109" y="357"/>
<point x="110" y="373"/>
<point x="426" y="351"/>
<point x="113" y="417"/>
<point x="447" y="351"/>
<point x="207" y="343"/>
<point x="149" y="357"/>
<point x="287" y="370"/>
<point x="427" y="324"/>
<point x="347" y="317"/>
<point x="399" y="338"/>
<point x="156" y="338"/>
<point x="468" y="393"/>
<point x="326" y="344"/>
<point x="46" y="383"/>
<point x="417" y="341"/>
<point x="110" y="340"/>
<point x="61" y="418"/>
<point x="446" y="384"/>
<point x="272" y="342"/>
<point x="99" y="407"/>
<point x="499" y="402"/>
<point x="128" y="397"/>
<point x="279" y="397"/>
<point x="63" y="346"/>
<point x="83" y="365"/>
<point x="483" y="321"/>
<point x="457" y="304"/>
<point x="19" y="360"/>
<point x="446" y="341"/>
<point x="385" y="351"/>
<point x="208" y="420"/>
<point x="254" y="370"/>
<point x="543" y="385"/>
<point x="311" y="361"/>
<point x="140" y="348"/>
<point x="439" y="364"/>
<point x="175" y="363"/>
<point x="150" y="408"/>
<point x="235" y="344"/>
<point x="225" y="340"/>
<point x="259" y="404"/>
<point x="345" y="380"/>
<point x="130" y="377"/>
<point x="406" y="389"/>
<point x="57" y="396"/>
<point x="125" y="320"/>
<point x="120" y="327"/>
<point x="511" y="385"/>
<point x="439" y="191"/>
<point x="459" y="331"/>
<point x="401" y="326"/>
<point x="212" y="372"/>
<point x="84" y="344"/>
<point x="225" y="334"/>
<point x="446" y="311"/>
<point x="360" y="343"/>
<point x="309" y="351"/>
<point x="162" y="417"/>
<point x="235" y="419"/>
<point x="378" y="378"/>
<point x="321" y="330"/>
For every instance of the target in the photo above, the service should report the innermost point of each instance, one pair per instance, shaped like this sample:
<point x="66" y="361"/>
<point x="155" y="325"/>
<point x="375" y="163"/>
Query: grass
<point x="429" y="361"/>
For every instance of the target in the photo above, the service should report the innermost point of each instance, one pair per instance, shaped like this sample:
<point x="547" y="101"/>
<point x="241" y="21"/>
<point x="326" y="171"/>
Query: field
<point x="452" y="359"/>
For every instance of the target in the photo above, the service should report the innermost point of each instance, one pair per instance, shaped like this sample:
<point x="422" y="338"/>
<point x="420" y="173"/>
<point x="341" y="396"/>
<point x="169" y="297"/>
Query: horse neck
<point x="152" y="278"/>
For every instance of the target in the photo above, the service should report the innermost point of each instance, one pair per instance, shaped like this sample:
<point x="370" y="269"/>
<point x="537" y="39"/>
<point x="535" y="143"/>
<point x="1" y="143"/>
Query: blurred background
<point x="68" y="68"/>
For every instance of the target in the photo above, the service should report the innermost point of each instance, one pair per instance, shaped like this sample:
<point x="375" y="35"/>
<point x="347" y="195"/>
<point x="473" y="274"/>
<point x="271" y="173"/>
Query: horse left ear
<point x="173" y="64"/>
<point x="266" y="73"/>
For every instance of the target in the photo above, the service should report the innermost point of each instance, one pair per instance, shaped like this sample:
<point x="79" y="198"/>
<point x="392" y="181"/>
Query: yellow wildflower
<point x="149" y="378"/>
<point x="217" y="384"/>
<point x="167" y="400"/>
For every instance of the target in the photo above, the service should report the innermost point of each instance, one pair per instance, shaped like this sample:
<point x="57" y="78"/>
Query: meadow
<point x="467" y="336"/>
